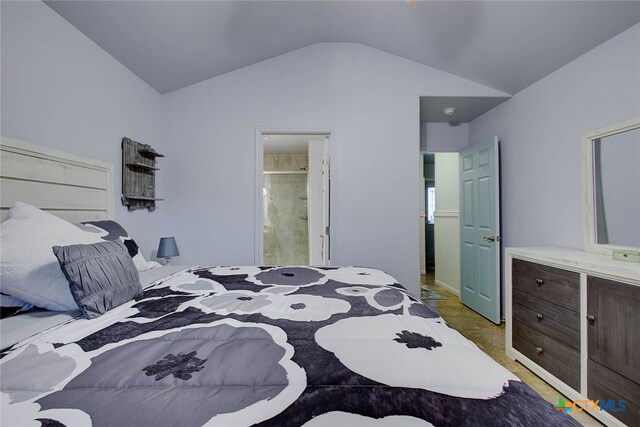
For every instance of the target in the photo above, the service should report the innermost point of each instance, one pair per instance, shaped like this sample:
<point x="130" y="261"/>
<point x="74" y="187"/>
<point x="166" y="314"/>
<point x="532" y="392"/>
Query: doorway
<point x="292" y="198"/>
<point x="466" y="225"/>
<point x="440" y="231"/>
<point x="429" y="209"/>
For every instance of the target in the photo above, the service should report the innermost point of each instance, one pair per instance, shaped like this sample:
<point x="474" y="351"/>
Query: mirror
<point x="611" y="185"/>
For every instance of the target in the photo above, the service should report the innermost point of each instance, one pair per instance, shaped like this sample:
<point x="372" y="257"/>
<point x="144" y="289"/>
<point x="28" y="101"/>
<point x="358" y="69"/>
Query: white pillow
<point x="140" y="263"/>
<point x="9" y="301"/>
<point x="29" y="269"/>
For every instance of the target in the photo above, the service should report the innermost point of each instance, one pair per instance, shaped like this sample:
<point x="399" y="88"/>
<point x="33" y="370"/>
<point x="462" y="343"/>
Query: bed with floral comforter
<point x="268" y="346"/>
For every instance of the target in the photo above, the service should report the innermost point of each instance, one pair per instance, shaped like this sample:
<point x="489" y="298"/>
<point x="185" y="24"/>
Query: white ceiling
<point x="505" y="45"/>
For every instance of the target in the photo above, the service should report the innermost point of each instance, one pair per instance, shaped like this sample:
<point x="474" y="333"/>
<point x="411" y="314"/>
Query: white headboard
<point x="68" y="186"/>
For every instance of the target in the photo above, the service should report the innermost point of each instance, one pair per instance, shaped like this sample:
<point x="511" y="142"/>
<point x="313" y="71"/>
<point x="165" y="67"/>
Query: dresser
<point x="573" y="318"/>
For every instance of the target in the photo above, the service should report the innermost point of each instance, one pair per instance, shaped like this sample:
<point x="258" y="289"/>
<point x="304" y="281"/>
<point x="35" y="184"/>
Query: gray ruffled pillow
<point x="101" y="276"/>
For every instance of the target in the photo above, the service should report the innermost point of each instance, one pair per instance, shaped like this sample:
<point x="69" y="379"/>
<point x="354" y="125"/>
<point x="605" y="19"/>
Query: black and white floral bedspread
<point x="285" y="346"/>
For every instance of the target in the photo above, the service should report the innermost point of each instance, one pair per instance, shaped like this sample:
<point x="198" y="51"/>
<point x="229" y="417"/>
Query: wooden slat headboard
<point x="68" y="186"/>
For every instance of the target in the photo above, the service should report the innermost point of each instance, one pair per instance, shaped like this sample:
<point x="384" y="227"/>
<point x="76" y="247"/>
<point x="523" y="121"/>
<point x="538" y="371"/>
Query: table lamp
<point x="167" y="249"/>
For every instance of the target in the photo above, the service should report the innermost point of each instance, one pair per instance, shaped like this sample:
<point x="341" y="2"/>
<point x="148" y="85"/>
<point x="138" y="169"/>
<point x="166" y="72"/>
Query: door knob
<point x="492" y="238"/>
<point x="591" y="318"/>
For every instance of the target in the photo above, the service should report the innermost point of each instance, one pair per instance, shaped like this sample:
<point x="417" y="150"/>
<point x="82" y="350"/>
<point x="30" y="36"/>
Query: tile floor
<point x="490" y="338"/>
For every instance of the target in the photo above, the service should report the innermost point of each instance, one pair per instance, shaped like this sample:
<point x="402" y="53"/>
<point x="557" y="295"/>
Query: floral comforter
<point x="269" y="346"/>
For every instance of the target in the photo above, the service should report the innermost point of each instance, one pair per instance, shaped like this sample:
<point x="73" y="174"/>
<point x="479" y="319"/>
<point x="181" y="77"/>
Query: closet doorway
<point x="292" y="204"/>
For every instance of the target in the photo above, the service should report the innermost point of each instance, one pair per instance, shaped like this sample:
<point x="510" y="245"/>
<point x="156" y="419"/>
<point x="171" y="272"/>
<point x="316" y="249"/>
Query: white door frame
<point x="258" y="240"/>
<point x="422" y="213"/>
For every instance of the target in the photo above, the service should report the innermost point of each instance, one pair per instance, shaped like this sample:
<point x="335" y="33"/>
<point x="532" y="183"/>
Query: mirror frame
<point x="588" y="192"/>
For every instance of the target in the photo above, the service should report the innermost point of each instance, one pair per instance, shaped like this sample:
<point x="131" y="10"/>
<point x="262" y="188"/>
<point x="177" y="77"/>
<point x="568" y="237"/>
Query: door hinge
<point x="327" y="230"/>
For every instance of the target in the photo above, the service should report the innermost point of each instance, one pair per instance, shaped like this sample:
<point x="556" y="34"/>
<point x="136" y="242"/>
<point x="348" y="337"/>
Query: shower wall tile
<point x="286" y="236"/>
<point x="286" y="162"/>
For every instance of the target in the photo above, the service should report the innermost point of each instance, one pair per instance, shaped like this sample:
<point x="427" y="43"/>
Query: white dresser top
<point x="572" y="259"/>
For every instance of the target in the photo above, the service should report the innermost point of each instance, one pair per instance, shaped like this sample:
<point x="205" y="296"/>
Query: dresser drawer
<point x="558" y="359"/>
<point x="556" y="322"/>
<point x="558" y="286"/>
<point x="605" y="384"/>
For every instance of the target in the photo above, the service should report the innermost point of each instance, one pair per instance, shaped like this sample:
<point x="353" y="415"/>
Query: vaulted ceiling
<point x="505" y="45"/>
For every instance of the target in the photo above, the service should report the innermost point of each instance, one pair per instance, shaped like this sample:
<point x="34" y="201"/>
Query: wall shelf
<point x="143" y="166"/>
<point x="142" y="198"/>
<point x="150" y="152"/>
<point x="138" y="175"/>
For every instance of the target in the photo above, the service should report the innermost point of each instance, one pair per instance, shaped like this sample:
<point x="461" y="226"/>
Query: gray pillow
<point x="101" y="276"/>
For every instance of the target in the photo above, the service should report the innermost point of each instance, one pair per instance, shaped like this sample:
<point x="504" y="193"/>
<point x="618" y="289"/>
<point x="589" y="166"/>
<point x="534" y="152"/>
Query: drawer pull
<point x="539" y="350"/>
<point x="540" y="282"/>
<point x="539" y="316"/>
<point x="591" y="318"/>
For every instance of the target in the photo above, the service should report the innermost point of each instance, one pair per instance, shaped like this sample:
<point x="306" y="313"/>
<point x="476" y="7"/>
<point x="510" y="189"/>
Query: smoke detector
<point x="449" y="111"/>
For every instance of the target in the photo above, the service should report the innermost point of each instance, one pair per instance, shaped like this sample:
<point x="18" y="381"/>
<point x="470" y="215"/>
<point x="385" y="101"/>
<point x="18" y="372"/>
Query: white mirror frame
<point x="588" y="193"/>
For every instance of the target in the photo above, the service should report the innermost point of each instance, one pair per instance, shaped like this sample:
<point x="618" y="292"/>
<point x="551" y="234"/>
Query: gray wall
<point x="61" y="90"/>
<point x="442" y="138"/>
<point x="368" y="98"/>
<point x="540" y="130"/>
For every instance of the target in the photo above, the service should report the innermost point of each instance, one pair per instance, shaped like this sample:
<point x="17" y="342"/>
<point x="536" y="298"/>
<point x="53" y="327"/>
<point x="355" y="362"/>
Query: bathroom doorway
<point x="294" y="199"/>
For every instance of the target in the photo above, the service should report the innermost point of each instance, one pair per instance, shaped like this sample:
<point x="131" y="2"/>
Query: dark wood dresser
<point x="573" y="318"/>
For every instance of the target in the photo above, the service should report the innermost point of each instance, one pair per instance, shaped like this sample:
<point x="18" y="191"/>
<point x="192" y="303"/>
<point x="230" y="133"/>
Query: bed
<point x="257" y="345"/>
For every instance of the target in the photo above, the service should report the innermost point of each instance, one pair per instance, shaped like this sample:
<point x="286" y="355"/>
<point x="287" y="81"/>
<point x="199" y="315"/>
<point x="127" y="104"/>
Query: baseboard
<point x="447" y="287"/>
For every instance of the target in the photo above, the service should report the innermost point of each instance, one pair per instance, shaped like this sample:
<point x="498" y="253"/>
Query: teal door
<point x="480" y="229"/>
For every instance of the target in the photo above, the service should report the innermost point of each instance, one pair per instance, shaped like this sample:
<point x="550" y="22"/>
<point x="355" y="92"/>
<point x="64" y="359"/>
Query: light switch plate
<point x="630" y="256"/>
